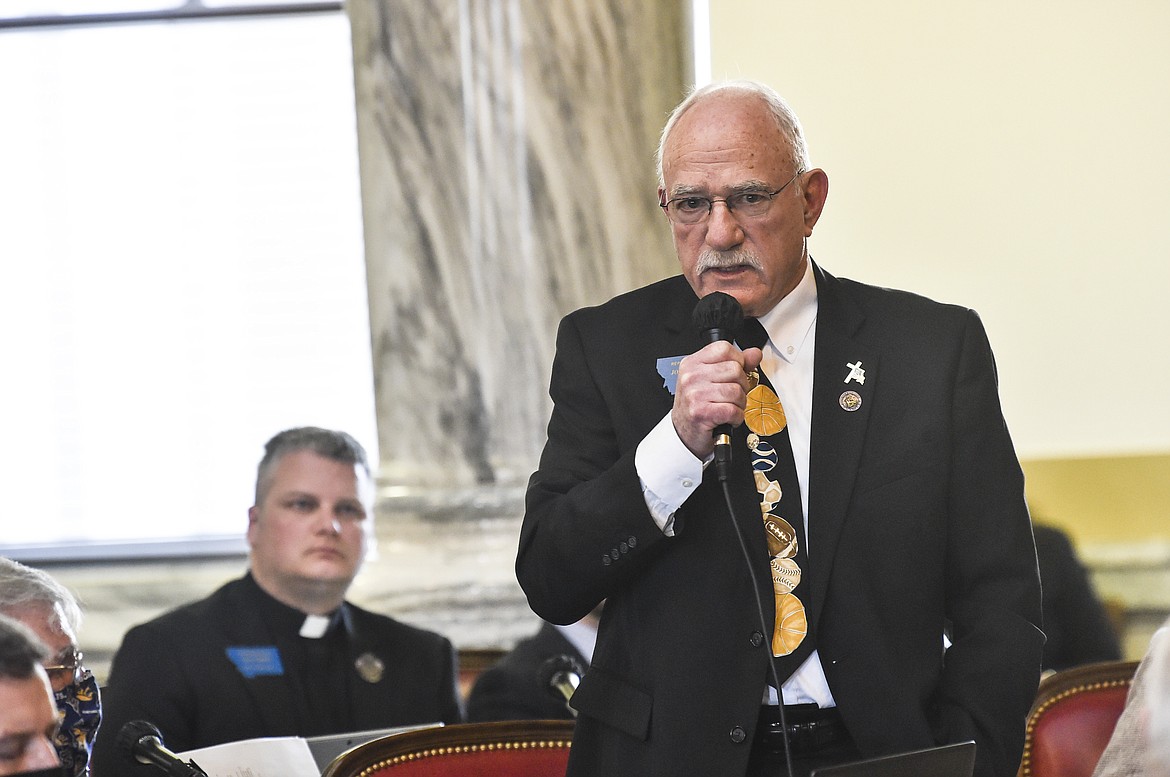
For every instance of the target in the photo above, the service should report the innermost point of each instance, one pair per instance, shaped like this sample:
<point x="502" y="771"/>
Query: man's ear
<point x="253" y="520"/>
<point x="815" y="191"/>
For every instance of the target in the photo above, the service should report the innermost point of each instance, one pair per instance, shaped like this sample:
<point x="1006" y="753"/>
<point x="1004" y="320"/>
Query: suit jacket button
<point x="605" y="560"/>
<point x="738" y="735"/>
<point x="756" y="639"/>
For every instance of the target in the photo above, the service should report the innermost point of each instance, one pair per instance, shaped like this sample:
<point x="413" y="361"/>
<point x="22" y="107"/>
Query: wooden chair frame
<point x="389" y="751"/>
<point x="1061" y="687"/>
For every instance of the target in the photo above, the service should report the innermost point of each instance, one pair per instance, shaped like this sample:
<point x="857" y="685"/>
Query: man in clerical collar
<point x="312" y="521"/>
<point x="279" y="651"/>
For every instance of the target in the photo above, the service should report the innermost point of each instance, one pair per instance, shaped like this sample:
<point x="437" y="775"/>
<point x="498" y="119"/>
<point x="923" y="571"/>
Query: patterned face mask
<point x="79" y="707"/>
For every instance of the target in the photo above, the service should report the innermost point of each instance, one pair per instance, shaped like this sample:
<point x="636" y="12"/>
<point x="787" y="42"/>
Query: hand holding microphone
<point x="712" y="384"/>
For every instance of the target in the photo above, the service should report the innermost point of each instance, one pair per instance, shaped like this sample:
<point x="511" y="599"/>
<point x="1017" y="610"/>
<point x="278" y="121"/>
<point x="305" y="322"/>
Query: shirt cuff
<point x="668" y="471"/>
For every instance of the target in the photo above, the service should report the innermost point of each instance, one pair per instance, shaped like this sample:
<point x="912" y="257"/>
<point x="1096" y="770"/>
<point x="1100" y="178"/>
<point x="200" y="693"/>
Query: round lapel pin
<point x="369" y="667"/>
<point x="850" y="401"/>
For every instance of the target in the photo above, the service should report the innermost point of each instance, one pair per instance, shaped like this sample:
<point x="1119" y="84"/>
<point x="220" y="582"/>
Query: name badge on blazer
<point x="667" y="368"/>
<point x="256" y="661"/>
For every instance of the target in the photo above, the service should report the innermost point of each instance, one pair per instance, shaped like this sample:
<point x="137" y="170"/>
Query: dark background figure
<point x="280" y="652"/>
<point x="515" y="687"/>
<point x="1076" y="623"/>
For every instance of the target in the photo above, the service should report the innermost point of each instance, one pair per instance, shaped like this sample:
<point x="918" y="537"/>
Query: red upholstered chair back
<point x="1073" y="717"/>
<point x="523" y="748"/>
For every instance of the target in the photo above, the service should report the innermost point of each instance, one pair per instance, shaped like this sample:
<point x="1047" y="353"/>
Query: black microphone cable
<point x="719" y="316"/>
<point x="747" y="558"/>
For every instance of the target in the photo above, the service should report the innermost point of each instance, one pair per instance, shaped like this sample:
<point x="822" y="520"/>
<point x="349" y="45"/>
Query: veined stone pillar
<point x="507" y="167"/>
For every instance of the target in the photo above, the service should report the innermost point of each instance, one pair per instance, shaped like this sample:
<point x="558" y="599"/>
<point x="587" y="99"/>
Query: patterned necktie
<point x="775" y="474"/>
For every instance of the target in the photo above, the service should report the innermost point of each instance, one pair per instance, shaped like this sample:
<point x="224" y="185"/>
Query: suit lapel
<point x="837" y="434"/>
<point x="369" y="696"/>
<point x="271" y="695"/>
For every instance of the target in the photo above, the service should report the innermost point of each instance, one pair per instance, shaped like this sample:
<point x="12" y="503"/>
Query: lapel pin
<point x="850" y="401"/>
<point x="855" y="373"/>
<point x="370" y="667"/>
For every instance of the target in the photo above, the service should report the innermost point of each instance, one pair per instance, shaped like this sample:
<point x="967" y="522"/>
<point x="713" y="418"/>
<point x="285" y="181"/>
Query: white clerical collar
<point x="315" y="626"/>
<point x="790" y="321"/>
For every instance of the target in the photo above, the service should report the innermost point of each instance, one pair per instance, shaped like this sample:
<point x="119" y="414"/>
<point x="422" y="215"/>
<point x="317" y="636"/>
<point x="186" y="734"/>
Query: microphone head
<point x="134" y="732"/>
<point x="555" y="671"/>
<point x="720" y="314"/>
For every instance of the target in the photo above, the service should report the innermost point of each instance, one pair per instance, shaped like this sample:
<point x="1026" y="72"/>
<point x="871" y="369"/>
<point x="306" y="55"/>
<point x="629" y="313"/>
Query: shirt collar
<point x="582" y="636"/>
<point x="790" y="321"/>
<point x="289" y="620"/>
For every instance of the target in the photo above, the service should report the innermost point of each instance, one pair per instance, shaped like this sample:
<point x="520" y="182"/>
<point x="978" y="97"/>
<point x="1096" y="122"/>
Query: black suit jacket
<point x="174" y="672"/>
<point x="512" y="689"/>
<point x="917" y="523"/>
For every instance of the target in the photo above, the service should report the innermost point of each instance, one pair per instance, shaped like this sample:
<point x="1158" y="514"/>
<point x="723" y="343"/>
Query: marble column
<point x="507" y="177"/>
<point x="507" y="168"/>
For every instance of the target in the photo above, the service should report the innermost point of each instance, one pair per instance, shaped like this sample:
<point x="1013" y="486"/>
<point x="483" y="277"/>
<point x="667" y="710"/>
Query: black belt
<point x="809" y="728"/>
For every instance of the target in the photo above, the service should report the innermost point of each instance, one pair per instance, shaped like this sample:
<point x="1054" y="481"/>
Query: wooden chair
<point x="1073" y="717"/>
<point x="522" y="748"/>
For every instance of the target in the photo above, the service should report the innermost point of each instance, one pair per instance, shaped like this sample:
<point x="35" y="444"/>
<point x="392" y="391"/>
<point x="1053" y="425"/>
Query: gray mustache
<point x="714" y="260"/>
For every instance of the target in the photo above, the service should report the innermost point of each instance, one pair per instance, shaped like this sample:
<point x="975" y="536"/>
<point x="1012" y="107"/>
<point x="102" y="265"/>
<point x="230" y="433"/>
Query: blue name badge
<point x="261" y="661"/>
<point x="668" y="370"/>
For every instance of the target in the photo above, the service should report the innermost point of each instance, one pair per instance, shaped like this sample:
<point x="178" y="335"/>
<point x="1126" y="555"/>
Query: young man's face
<point x="312" y="525"/>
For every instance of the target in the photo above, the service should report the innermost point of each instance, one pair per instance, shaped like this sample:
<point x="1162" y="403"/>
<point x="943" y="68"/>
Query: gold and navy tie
<point x="775" y="474"/>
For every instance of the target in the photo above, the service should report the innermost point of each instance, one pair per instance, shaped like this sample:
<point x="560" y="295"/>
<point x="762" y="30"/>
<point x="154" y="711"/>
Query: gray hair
<point x="22" y="586"/>
<point x="20" y="650"/>
<point x="786" y="120"/>
<point x="326" y="443"/>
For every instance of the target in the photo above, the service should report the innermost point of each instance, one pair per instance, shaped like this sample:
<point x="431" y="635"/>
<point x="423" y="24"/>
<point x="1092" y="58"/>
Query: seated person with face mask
<point x="51" y="612"/>
<point x="28" y="719"/>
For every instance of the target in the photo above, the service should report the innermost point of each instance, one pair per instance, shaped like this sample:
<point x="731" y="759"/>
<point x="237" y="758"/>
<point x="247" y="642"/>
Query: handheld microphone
<point x="719" y="316"/>
<point x="560" y="676"/>
<point x="143" y="742"/>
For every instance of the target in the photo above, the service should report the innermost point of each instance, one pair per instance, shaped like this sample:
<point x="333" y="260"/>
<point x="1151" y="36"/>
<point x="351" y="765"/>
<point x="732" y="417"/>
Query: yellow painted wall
<point x="1110" y="499"/>
<point x="1010" y="156"/>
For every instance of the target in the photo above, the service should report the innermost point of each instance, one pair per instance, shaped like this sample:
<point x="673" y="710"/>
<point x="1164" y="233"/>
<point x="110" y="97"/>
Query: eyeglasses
<point x="692" y="209"/>
<point x="69" y="670"/>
